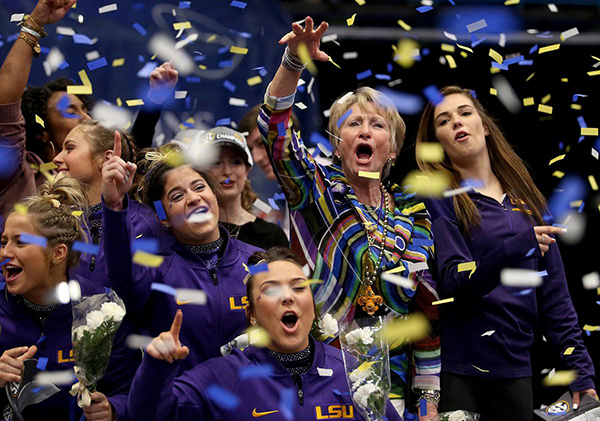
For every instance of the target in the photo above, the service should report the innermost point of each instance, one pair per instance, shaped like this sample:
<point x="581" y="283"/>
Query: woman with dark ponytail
<point x="37" y="254"/>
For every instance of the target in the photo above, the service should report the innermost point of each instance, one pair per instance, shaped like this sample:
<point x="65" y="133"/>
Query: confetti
<point x="255" y="80"/>
<point x="589" y="131"/>
<point x="222" y="397"/>
<point x="147" y="259"/>
<point x="511" y="2"/>
<point x="350" y="20"/>
<point x="447" y="300"/>
<point x="493" y="91"/>
<point x="593" y="182"/>
<point x="569" y="350"/>
<point x="238" y="50"/>
<point x="480" y="369"/>
<point x="467" y="266"/>
<point x="590" y="328"/>
<point x="42" y="362"/>
<point x="136" y="341"/>
<point x="344" y="116"/>
<point x="549" y="48"/>
<point x="118" y="62"/>
<point x="546" y="99"/>
<point x="401" y="281"/>
<point x="33" y="239"/>
<point x="86" y="247"/>
<point x="450" y="36"/>
<point x="256" y="371"/>
<point x="559" y="378"/>
<point x="552" y="8"/>
<point x="238" y="4"/>
<point x="406" y="330"/>
<point x="63" y="377"/>
<point x="286" y="403"/>
<point x="415" y="267"/>
<point x="488" y="333"/>
<point x="39" y="120"/>
<point x="182" y="25"/>
<point x="364" y="75"/>
<point x="451" y="61"/>
<point x="96" y="64"/>
<point x="360" y="2"/>
<point x="254" y="269"/>
<point x="369" y="174"/>
<point x="448" y="48"/>
<point x="262" y="206"/>
<point x="433" y="94"/>
<point x="134" y="102"/>
<point x="108" y="8"/>
<point x="257" y="336"/>
<point x="17" y="17"/>
<point x="325" y="372"/>
<point x="558" y="174"/>
<point x="424" y="9"/>
<point x="309" y="282"/>
<point x="594" y="73"/>
<point x="431" y="152"/>
<point x="568" y="34"/>
<point x="544" y="109"/>
<point x="476" y="26"/>
<point x="495" y="55"/>
<point x="140" y="29"/>
<point x="404" y="25"/>
<point x="520" y="278"/>
<point x="79" y="90"/>
<point x="558" y="158"/>
<point x="528" y="101"/>
<point x="591" y="280"/>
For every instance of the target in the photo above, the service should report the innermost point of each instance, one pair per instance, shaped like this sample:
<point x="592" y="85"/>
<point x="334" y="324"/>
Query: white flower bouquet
<point x="456" y="416"/>
<point x="366" y="359"/>
<point x="96" y="319"/>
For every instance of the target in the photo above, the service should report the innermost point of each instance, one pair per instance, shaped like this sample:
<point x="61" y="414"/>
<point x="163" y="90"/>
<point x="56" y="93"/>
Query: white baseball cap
<point x="228" y="137"/>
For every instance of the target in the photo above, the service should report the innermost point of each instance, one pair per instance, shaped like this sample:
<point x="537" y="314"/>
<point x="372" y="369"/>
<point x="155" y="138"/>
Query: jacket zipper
<point x="507" y="215"/>
<point x="298" y="381"/>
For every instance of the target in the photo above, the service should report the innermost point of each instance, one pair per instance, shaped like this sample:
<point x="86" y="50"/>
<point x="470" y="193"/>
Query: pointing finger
<point x="176" y="326"/>
<point x="117" y="145"/>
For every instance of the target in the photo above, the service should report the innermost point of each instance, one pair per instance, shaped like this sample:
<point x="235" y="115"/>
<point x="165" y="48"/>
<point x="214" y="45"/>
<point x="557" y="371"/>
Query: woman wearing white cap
<point x="231" y="171"/>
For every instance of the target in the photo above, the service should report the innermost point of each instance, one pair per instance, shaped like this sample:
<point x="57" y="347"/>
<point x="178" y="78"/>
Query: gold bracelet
<point x="35" y="46"/>
<point x="30" y="23"/>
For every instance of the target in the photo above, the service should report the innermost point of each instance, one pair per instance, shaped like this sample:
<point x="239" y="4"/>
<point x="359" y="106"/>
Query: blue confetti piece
<point x="63" y="104"/>
<point x="281" y="129"/>
<point x="301" y="88"/>
<point x="578" y="96"/>
<point x="12" y="38"/>
<point x="581" y="121"/>
<point x="229" y="86"/>
<point x="533" y="49"/>
<point x="452" y="2"/>
<point x="45" y="50"/>
<point x="5" y="261"/>
<point x="561" y="146"/>
<point x="141" y="58"/>
<point x="225" y="63"/>
<point x="242" y="34"/>
<point x="33" y="239"/>
<point x="587" y="332"/>
<point x="145" y="71"/>
<point x="82" y="39"/>
<point x="390" y="68"/>
<point x="188" y="124"/>
<point x="286" y="403"/>
<point x="477" y="42"/>
<point x="37" y="389"/>
<point x="2" y="285"/>
<point x="422" y="242"/>
<point x="199" y="57"/>
<point x="364" y="75"/>
<point x="337" y="392"/>
<point x="41" y="340"/>
<point x="542" y="273"/>
<point x="223" y="49"/>
<point x="140" y="29"/>
<point x="524" y="292"/>
<point x="160" y="210"/>
<point x="85" y="247"/>
<point x="193" y="79"/>
<point x="257" y="371"/>
<point x="149" y="245"/>
<point x="272" y="203"/>
<point x="63" y="65"/>
<point x="433" y="94"/>
<point x="222" y="397"/>
<point x="263" y="72"/>
<point x="254" y="269"/>
<point x="42" y="362"/>
<point x="185" y="4"/>
<point x="598" y="302"/>
<point x="530" y="252"/>
<point x="279" y="196"/>
<point x="96" y="64"/>
<point x="223" y="122"/>
<point x="343" y="118"/>
<point x="500" y="66"/>
<point x="526" y="63"/>
<point x="597" y="144"/>
<point x="580" y="209"/>
<point x="513" y="60"/>
<point x="571" y="188"/>
<point x="383" y="76"/>
<point x="228" y="180"/>
<point x="316" y="138"/>
<point x="424" y="9"/>
<point x="580" y="139"/>
<point x="167" y="289"/>
<point x="107" y="290"/>
<point x="238" y="4"/>
<point x="425" y="52"/>
<point x="422" y="408"/>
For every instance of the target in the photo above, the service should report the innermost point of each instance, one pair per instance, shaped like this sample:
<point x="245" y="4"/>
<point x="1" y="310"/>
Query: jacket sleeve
<point x="559" y="320"/>
<point x="144" y="125"/>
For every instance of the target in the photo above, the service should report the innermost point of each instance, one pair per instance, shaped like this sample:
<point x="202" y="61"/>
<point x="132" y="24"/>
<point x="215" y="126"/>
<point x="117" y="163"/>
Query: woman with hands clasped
<point x="498" y="225"/>
<point x="352" y="225"/>
<point x="194" y="252"/>
<point x="294" y="376"/>
<point x="34" y="325"/>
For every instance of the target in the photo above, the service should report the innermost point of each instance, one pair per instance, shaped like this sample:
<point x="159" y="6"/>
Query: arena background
<point x="539" y="137"/>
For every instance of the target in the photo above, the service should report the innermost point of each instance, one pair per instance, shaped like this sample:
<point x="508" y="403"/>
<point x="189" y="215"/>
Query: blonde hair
<point x="364" y="96"/>
<point x="249" y="196"/>
<point x="51" y="213"/>
<point x="102" y="139"/>
<point x="506" y="165"/>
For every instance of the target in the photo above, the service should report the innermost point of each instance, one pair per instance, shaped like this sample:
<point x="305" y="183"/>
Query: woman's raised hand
<point x="11" y="363"/>
<point x="166" y="346"/>
<point x="117" y="177"/>
<point x="309" y="36"/>
<point x="50" y="11"/>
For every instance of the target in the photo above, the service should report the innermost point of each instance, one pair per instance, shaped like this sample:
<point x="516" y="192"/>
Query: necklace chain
<point x="369" y="277"/>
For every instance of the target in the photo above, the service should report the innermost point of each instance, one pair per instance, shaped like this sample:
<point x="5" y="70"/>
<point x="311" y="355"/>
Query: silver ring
<point x="543" y="240"/>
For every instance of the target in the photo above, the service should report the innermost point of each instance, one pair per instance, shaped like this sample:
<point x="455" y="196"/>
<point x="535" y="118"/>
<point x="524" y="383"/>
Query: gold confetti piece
<point x="431" y="185"/>
<point x="549" y="48"/>
<point x="211" y="38"/>
<point x="304" y="55"/>
<point x="558" y="158"/>
<point x="412" y="329"/>
<point x="47" y="166"/>
<point x="310" y="282"/>
<point x="589" y="131"/>
<point x="511" y="2"/>
<point x="119" y="102"/>
<point x="258" y="337"/>
<point x="430" y="152"/>
<point x="255" y="80"/>
<point x="360" y="2"/>
<point x="464" y="48"/>
<point x="153" y="56"/>
<point x="544" y="109"/>
<point x="493" y="92"/>
<point x="593" y="183"/>
<point x="447" y="300"/>
<point x="127" y="126"/>
<point x="575" y="203"/>
<point x="576" y="106"/>
<point x="85" y="80"/>
<point x="590" y="328"/>
<point x="404" y="25"/>
<point x="147" y="259"/>
<point x="594" y="73"/>
<point x="467" y="266"/>
<point x="529" y="77"/>
<point x="39" y="120"/>
<point x="134" y="102"/>
<point x="528" y="101"/>
<point x="182" y="25"/>
<point x="560" y="378"/>
<point x="596" y="58"/>
<point x="77" y="213"/>
<point x="405" y="52"/>
<point x="496" y="56"/>
<point x="118" y="62"/>
<point x="21" y="209"/>
<point x="396" y="269"/>
<point x="564" y="79"/>
<point x="79" y="90"/>
<point x="238" y="50"/>
<point x="369" y="174"/>
<point x="480" y="369"/>
<point x="202" y="67"/>
<point x="334" y="63"/>
<point x="448" y="48"/>
<point x="494" y="70"/>
<point x="558" y="174"/>
<point x="546" y="99"/>
<point x="465" y="55"/>
<point x="350" y="20"/>
<point x="569" y="350"/>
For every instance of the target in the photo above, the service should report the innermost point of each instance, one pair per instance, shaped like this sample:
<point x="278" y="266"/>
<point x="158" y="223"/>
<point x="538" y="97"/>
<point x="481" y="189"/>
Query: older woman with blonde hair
<point x="351" y="224"/>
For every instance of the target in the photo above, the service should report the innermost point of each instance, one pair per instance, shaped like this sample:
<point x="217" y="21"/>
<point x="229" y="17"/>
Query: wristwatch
<point x="430" y="395"/>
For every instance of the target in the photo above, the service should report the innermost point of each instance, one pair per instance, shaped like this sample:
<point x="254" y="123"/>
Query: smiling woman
<point x="294" y="376"/>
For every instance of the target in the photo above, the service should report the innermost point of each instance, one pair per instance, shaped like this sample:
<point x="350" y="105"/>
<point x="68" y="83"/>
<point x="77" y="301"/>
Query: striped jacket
<point x="327" y="219"/>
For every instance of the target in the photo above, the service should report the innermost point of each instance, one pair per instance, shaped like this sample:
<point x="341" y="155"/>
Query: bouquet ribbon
<point x="84" y="397"/>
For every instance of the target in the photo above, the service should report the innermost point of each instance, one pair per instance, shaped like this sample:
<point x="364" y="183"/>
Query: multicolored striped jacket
<point x="327" y="219"/>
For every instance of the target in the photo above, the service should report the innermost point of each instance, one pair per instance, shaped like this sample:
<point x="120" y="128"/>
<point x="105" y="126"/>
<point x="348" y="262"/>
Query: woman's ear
<point x="107" y="155"/>
<point x="486" y="131"/>
<point x="58" y="253"/>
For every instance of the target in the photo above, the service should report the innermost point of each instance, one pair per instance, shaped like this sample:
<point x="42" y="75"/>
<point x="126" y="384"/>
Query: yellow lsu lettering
<point x="334" y="411"/>
<point x="61" y="359"/>
<point x="238" y="303"/>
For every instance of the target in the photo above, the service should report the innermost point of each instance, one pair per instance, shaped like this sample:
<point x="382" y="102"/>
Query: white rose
<point x="112" y="310"/>
<point x="362" y="334"/>
<point x="79" y="331"/>
<point x="328" y="326"/>
<point x="357" y="376"/>
<point x="94" y="319"/>
<point x="361" y="396"/>
<point x="457" y="416"/>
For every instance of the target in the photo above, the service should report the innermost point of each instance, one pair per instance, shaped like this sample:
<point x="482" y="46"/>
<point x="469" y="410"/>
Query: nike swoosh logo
<point x="184" y="302"/>
<point x="262" y="414"/>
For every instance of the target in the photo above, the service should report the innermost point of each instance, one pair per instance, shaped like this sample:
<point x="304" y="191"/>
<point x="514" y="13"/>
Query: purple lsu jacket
<point x="322" y="393"/>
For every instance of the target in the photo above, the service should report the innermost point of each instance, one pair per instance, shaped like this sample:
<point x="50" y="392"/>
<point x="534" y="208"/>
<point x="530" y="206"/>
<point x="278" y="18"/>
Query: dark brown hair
<point x="506" y="165"/>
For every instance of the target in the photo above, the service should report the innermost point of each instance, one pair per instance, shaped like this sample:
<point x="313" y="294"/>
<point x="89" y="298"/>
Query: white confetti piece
<point x="476" y="26"/>
<point x="591" y="280"/>
<point x="455" y="192"/>
<point x="325" y="372"/>
<point x="569" y="34"/>
<point x="489" y="333"/>
<point x="324" y="150"/>
<point x="180" y="94"/>
<point x="186" y="41"/>
<point x="17" y="17"/>
<point x="398" y="280"/>
<point x="107" y="8"/>
<point x="345" y="97"/>
<point x="310" y="85"/>
<point x="520" y="278"/>
<point x="65" y="377"/>
<point x="502" y="40"/>
<point x="92" y="55"/>
<point x="64" y="30"/>
<point x="594" y="153"/>
<point x="553" y="8"/>
<point x="450" y="36"/>
<point x="351" y="55"/>
<point x="111" y="116"/>
<point x="237" y="102"/>
<point x="164" y="47"/>
<point x="262" y="206"/>
<point x="329" y="38"/>
<point x="301" y="105"/>
<point x="135" y="341"/>
<point x="415" y="267"/>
